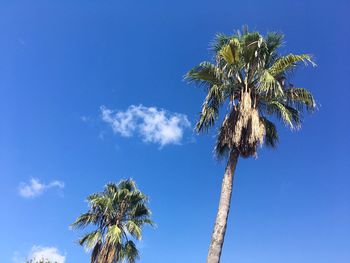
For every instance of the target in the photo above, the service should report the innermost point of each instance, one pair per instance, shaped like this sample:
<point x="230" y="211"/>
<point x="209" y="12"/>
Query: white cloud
<point x="38" y="253"/>
<point x="50" y="253"/>
<point x="151" y="124"/>
<point x="35" y="187"/>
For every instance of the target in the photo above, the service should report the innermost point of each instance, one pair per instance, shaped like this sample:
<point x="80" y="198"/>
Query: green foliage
<point x="249" y="63"/>
<point x="118" y="213"/>
<point x="285" y="63"/>
<point x="205" y="74"/>
<point x="271" y="136"/>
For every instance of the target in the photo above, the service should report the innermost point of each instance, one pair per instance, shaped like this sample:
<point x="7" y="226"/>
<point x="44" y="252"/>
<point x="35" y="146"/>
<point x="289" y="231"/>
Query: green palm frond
<point x="122" y="194"/>
<point x="288" y="62"/>
<point x="130" y="252"/>
<point x="144" y="221"/>
<point x="128" y="184"/>
<point x="288" y="114"/>
<point x="205" y="74"/>
<point x="221" y="148"/>
<point x="114" y="234"/>
<point x="269" y="86"/>
<point x="219" y="41"/>
<point x="274" y="40"/>
<point x="95" y="252"/>
<point x="251" y="44"/>
<point x="244" y="31"/>
<point x="271" y="135"/>
<point x="210" y="110"/>
<point x="111" y="189"/>
<point x="300" y="98"/>
<point x="136" y="197"/>
<point x="134" y="229"/>
<point x="231" y="51"/>
<point x="85" y="219"/>
<point x="208" y="116"/>
<point x="98" y="203"/>
<point x="90" y="240"/>
<point x="140" y="210"/>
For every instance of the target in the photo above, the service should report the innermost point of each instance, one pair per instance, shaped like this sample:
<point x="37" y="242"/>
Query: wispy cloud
<point x="151" y="124"/>
<point x="85" y="118"/>
<point x="38" y="253"/>
<point x="35" y="188"/>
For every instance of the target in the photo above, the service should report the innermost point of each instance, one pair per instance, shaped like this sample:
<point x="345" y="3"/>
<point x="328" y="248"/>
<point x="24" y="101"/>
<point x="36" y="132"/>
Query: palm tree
<point x="249" y="80"/>
<point x="119" y="213"/>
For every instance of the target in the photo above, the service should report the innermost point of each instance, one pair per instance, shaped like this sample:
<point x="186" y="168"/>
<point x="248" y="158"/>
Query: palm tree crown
<point x="251" y="78"/>
<point x="119" y="212"/>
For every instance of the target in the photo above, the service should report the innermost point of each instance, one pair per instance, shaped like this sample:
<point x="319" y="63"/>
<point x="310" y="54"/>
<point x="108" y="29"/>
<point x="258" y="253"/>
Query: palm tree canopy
<point x="252" y="79"/>
<point x="118" y="213"/>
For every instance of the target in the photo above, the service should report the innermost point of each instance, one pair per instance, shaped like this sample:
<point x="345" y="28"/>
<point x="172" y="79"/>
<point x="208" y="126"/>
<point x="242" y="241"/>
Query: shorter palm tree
<point x="119" y="213"/>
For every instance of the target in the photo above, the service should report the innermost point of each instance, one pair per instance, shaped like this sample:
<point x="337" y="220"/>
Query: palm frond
<point x="288" y="114"/>
<point x="210" y="109"/>
<point x="84" y="219"/>
<point x="95" y="252"/>
<point x="221" y="148"/>
<point x="134" y="229"/>
<point x="231" y="51"/>
<point x="288" y="62"/>
<point x="271" y="135"/>
<point x="274" y="40"/>
<point x="111" y="188"/>
<point x="205" y="74"/>
<point x="130" y="252"/>
<point x="219" y="41"/>
<point x="136" y="197"/>
<point x="144" y="221"/>
<point x="251" y="43"/>
<point x="127" y="184"/>
<point x="268" y="85"/>
<point x="90" y="240"/>
<point x="300" y="98"/>
<point x="140" y="210"/>
<point x="114" y="234"/>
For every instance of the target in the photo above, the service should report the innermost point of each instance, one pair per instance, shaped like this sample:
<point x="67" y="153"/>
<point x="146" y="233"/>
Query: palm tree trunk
<point x="217" y="238"/>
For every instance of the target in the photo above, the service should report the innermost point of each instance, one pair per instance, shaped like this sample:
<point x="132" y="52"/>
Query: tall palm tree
<point x="249" y="80"/>
<point x="119" y="213"/>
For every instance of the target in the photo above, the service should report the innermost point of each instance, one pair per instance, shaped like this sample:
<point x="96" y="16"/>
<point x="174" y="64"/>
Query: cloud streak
<point x="151" y="124"/>
<point x="35" y="188"/>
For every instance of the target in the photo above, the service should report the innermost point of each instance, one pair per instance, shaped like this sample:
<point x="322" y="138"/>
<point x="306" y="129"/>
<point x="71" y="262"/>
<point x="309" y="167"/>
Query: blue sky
<point x="61" y="61"/>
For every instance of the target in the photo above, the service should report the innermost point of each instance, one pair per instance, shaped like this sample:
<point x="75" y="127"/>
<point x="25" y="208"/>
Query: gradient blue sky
<point x="60" y="61"/>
